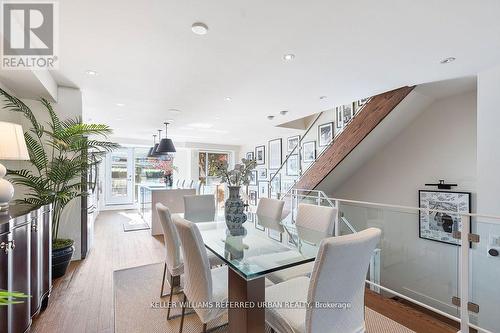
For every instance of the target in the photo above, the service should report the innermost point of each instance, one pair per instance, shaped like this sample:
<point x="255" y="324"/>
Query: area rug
<point x="139" y="307"/>
<point x="134" y="226"/>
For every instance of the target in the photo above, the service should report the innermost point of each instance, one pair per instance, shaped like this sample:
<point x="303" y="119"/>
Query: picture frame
<point x="262" y="174"/>
<point x="437" y="226"/>
<point x="275" y="154"/>
<point x="275" y="183"/>
<point x="260" y="155"/>
<point x="309" y="151"/>
<point x="292" y="142"/>
<point x="250" y="155"/>
<point x="292" y="165"/>
<point x="339" y="123"/>
<point x="287" y="184"/>
<point x="263" y="188"/>
<point x="347" y="113"/>
<point x="274" y="235"/>
<point x="361" y="102"/>
<point x="253" y="178"/>
<point x="325" y="134"/>
<point x="252" y="198"/>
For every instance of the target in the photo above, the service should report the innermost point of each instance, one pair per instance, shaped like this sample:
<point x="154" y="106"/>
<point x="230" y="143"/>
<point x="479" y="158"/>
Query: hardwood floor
<point x="82" y="301"/>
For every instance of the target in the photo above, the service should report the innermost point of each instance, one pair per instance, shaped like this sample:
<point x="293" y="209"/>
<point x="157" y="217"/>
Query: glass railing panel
<point x="424" y="270"/>
<point x="484" y="273"/>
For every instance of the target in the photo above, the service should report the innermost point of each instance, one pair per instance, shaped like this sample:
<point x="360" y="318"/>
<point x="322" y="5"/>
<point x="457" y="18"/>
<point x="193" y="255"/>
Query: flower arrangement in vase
<point x="168" y="168"/>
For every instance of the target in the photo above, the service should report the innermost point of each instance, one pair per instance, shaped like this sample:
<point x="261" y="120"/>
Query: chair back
<point x="171" y="238"/>
<point x="197" y="274"/>
<point x="270" y="208"/>
<point x="318" y="218"/>
<point x="339" y="275"/>
<point x="199" y="208"/>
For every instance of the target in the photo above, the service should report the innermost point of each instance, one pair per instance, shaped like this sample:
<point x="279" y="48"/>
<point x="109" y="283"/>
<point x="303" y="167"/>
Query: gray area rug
<point x="139" y="308"/>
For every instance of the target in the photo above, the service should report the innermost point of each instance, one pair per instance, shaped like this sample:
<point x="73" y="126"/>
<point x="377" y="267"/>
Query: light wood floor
<point x="82" y="301"/>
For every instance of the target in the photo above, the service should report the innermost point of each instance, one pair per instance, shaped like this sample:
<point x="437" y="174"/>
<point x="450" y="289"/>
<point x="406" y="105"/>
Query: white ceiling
<point x="148" y="58"/>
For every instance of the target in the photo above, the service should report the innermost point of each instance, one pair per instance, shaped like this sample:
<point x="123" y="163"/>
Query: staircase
<point x="352" y="133"/>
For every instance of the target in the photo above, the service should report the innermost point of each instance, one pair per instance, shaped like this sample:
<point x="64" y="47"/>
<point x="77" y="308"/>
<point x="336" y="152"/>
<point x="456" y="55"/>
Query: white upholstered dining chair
<point x="338" y="277"/>
<point x="270" y="208"/>
<point x="173" y="257"/>
<point x="318" y="218"/>
<point x="202" y="284"/>
<point x="199" y="208"/>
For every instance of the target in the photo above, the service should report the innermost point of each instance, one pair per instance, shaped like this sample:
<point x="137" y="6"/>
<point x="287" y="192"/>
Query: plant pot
<point x="60" y="260"/>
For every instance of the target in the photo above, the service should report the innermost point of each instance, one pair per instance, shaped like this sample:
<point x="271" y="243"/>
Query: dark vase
<point x="60" y="260"/>
<point x="234" y="209"/>
<point x="169" y="180"/>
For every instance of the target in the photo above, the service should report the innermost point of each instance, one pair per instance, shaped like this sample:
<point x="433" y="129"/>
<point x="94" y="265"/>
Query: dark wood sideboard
<point x="25" y="263"/>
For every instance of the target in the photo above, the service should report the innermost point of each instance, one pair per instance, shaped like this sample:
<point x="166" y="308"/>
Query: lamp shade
<point x="166" y="146"/>
<point x="155" y="150"/>
<point x="12" y="144"/>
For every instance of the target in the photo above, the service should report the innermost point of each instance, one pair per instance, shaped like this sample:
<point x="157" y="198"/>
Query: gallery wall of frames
<point x="271" y="153"/>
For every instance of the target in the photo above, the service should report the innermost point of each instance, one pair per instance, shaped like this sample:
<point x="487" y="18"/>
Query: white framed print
<point x="292" y="142"/>
<point x="309" y="151"/>
<point x="275" y="154"/>
<point x="292" y="165"/>
<point x="263" y="189"/>
<point x="260" y="155"/>
<point x="325" y="134"/>
<point x="262" y="174"/>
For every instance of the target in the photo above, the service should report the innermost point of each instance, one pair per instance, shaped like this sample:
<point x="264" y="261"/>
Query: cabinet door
<point x="20" y="277"/>
<point x="4" y="284"/>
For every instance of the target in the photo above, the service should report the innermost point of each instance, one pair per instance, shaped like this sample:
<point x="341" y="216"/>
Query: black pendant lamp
<point x="155" y="147"/>
<point x="166" y="145"/>
<point x="150" y="153"/>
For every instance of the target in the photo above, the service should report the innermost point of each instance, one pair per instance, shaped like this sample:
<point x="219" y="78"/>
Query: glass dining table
<point x="258" y="247"/>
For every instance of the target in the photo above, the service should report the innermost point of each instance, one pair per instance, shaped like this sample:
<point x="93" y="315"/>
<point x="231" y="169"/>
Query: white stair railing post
<point x="464" y="274"/>
<point x="337" y="220"/>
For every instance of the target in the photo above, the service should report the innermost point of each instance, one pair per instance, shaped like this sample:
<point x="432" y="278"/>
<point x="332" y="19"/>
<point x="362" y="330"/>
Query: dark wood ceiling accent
<point x="372" y="114"/>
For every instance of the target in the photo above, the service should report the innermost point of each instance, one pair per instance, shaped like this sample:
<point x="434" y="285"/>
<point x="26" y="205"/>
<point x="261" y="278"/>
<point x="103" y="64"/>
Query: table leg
<point x="246" y="320"/>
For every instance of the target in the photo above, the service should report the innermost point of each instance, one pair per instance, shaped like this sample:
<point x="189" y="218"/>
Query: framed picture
<point x="250" y="155"/>
<point x="347" y="113"/>
<point x="263" y="189"/>
<point x="292" y="142"/>
<point x="275" y="183"/>
<point x="260" y="155"/>
<point x="438" y="226"/>
<point x="274" y="234"/>
<point x="252" y="198"/>
<point x="292" y="165"/>
<point x="338" y="117"/>
<point x="262" y="174"/>
<point x="325" y="134"/>
<point x="287" y="184"/>
<point x="275" y="154"/>
<point x="360" y="103"/>
<point x="309" y="151"/>
<point x="253" y="178"/>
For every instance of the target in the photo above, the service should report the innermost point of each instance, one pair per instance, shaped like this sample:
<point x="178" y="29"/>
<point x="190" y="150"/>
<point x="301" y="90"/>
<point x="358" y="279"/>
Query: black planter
<point x="60" y="260"/>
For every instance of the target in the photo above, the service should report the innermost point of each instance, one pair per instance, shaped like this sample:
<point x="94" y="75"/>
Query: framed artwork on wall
<point x="338" y="117"/>
<point x="275" y="154"/>
<point x="292" y="165"/>
<point x="347" y="113"/>
<point x="325" y="134"/>
<point x="250" y="155"/>
<point x="292" y="142"/>
<point x="263" y="189"/>
<point x="275" y="183"/>
<point x="360" y="103"/>
<point x="287" y="184"/>
<point x="439" y="226"/>
<point x="260" y="155"/>
<point x="252" y="198"/>
<point x="253" y="178"/>
<point x="262" y="174"/>
<point x="309" y="151"/>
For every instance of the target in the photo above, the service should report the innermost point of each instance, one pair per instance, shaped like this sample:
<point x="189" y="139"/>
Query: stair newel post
<point x="337" y="219"/>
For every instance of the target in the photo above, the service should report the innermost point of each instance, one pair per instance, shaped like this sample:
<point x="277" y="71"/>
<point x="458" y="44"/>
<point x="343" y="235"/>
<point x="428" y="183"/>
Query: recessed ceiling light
<point x="270" y="117"/>
<point x="284" y="112"/>
<point x="448" y="60"/>
<point x="228" y="99"/>
<point x="199" y="28"/>
<point x="323" y="97"/>
<point x="91" y="72"/>
<point x="289" y="57"/>
<point x="120" y="104"/>
<point x="174" y="110"/>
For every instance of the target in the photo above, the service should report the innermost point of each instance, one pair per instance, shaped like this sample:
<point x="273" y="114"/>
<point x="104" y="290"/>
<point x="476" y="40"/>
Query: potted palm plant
<point x="7" y="297"/>
<point x="59" y="154"/>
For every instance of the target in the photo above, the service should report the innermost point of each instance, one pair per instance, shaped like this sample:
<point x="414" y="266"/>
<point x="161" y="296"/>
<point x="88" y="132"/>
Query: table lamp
<point x="12" y="147"/>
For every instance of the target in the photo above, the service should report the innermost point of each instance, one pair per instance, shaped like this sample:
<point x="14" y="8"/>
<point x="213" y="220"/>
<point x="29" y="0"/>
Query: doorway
<point x="120" y="177"/>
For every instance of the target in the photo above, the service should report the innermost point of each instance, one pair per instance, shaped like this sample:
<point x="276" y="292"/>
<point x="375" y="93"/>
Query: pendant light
<point x="150" y="153"/>
<point x="166" y="145"/>
<point x="155" y="148"/>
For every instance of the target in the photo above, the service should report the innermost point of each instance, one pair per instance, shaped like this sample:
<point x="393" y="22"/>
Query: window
<point x="206" y="165"/>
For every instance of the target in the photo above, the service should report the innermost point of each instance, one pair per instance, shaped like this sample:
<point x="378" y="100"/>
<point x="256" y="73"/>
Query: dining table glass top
<point x="261" y="245"/>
